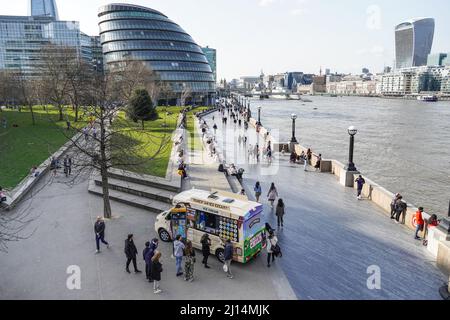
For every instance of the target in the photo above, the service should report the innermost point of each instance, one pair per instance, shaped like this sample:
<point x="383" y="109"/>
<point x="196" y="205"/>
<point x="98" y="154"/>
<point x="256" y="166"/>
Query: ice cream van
<point x="222" y="215"/>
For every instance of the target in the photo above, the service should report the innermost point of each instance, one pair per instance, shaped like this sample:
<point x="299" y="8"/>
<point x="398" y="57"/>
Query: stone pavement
<point x="330" y="238"/>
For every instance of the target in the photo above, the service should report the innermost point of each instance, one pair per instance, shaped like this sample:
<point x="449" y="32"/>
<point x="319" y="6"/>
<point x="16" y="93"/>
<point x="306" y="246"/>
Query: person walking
<point x="99" y="229"/>
<point x="228" y="256"/>
<point x="305" y="162"/>
<point x="360" y="184"/>
<point x="280" y="212"/>
<point x="156" y="270"/>
<point x="420" y="223"/>
<point x="206" y="249"/>
<point x="67" y="165"/>
<point x="145" y="254"/>
<point x="130" y="253"/>
<point x="272" y="194"/>
<point x="256" y="153"/>
<point x="148" y="257"/>
<point x="319" y="160"/>
<point x="189" y="262"/>
<point x="257" y="190"/>
<point x="309" y="155"/>
<point x="178" y="252"/>
<point x="271" y="242"/>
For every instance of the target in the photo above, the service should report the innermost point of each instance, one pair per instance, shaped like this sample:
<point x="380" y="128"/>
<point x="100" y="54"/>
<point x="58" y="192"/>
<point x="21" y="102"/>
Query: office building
<point x="23" y="37"/>
<point x="211" y="56"/>
<point x="413" y="42"/>
<point x="46" y="8"/>
<point x="135" y="33"/>
<point x="437" y="59"/>
<point x="91" y="51"/>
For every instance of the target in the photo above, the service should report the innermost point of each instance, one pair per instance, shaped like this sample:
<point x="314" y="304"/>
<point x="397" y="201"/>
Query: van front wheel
<point x="164" y="235"/>
<point x="220" y="255"/>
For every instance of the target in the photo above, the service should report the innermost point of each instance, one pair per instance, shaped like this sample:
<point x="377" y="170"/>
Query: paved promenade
<point x="330" y="238"/>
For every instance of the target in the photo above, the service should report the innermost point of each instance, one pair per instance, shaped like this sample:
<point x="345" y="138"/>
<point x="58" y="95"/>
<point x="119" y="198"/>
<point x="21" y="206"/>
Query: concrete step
<point x="130" y="199"/>
<point x="138" y="189"/>
<point x="146" y="180"/>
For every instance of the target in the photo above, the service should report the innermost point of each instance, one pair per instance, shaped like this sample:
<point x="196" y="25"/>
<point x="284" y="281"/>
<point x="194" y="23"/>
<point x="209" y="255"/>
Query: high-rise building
<point x="413" y="42"/>
<point x="211" y="55"/>
<point x="91" y="51"/>
<point x="135" y="33"/>
<point x="45" y="8"/>
<point x="23" y="37"/>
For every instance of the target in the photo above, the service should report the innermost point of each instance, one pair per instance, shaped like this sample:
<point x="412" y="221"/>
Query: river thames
<point x="403" y="145"/>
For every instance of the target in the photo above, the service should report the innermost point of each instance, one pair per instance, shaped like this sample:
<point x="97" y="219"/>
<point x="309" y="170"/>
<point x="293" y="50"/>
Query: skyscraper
<point x="413" y="42"/>
<point x="211" y="55"/>
<point x="44" y="8"/>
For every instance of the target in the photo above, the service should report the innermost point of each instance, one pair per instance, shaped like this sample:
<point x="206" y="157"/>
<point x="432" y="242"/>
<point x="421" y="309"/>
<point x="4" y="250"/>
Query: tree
<point x="141" y="107"/>
<point x="53" y="75"/>
<point x="26" y="92"/>
<point x="76" y="73"/>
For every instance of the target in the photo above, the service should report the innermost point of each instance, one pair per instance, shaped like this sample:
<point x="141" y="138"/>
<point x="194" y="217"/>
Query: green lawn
<point x="26" y="145"/>
<point x="195" y="144"/>
<point x="142" y="145"/>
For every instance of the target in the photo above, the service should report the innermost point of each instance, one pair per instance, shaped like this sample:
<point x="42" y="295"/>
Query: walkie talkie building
<point x="135" y="33"/>
<point x="413" y="42"/>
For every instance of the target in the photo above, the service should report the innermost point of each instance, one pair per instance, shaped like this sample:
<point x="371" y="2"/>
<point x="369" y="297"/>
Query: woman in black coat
<point x="206" y="245"/>
<point x="156" y="272"/>
<point x="131" y="252"/>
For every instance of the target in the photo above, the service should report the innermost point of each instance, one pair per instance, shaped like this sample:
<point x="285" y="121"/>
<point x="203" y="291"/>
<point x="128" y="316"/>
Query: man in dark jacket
<point x="148" y="258"/>
<point x="144" y="254"/>
<point x="99" y="229"/>
<point x="131" y="252"/>
<point x="228" y="256"/>
<point x="206" y="248"/>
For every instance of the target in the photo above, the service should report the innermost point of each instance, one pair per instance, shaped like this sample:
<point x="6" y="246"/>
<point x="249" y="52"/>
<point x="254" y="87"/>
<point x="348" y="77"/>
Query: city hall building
<point x="136" y="33"/>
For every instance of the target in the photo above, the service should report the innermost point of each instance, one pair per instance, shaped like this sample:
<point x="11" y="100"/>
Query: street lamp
<point x="352" y="131"/>
<point x="249" y="113"/>
<point x="293" y="117"/>
<point x="259" y="116"/>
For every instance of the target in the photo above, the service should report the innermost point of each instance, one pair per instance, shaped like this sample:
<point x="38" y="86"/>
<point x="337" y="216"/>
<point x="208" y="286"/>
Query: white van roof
<point x="223" y="201"/>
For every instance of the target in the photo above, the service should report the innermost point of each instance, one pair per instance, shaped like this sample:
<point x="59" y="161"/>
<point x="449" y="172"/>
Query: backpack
<point x="277" y="250"/>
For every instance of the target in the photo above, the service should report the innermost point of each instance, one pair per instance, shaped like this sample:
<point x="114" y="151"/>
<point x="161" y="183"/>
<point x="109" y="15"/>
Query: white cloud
<point x="265" y="3"/>
<point x="373" y="21"/>
<point x="298" y="11"/>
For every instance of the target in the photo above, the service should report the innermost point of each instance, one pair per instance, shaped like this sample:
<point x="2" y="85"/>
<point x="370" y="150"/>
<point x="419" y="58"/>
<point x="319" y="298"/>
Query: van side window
<point x="206" y="222"/>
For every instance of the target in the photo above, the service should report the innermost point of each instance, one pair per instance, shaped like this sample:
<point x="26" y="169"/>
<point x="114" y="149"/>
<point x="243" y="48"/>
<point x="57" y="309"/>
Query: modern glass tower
<point x="211" y="56"/>
<point x="45" y="8"/>
<point x="135" y="33"/>
<point x="413" y="42"/>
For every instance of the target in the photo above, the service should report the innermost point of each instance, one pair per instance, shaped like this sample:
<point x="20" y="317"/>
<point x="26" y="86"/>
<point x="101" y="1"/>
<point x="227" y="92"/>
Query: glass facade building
<point x="91" y="51"/>
<point x="43" y="8"/>
<point x="211" y="56"/>
<point x="23" y="37"/>
<point x="413" y="42"/>
<point x="130" y="33"/>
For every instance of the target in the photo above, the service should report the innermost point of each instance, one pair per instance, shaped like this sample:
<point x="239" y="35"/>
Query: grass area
<point x="142" y="145"/>
<point x="26" y="145"/>
<point x="195" y="144"/>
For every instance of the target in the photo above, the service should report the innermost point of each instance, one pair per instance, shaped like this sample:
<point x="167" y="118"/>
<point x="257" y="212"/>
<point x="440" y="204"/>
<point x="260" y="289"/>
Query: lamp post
<point x="249" y="113"/>
<point x="293" y="117"/>
<point x="259" y="116"/>
<point x="352" y="131"/>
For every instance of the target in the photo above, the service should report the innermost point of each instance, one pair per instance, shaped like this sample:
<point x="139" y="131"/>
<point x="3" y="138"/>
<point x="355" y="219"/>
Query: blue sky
<point x="282" y="35"/>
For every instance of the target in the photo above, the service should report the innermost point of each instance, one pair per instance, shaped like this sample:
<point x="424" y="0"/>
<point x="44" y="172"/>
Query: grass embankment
<point x="194" y="141"/>
<point x="29" y="145"/>
<point x="148" y="149"/>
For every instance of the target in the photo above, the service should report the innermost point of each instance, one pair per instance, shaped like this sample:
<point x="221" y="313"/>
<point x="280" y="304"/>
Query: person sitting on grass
<point x="2" y="196"/>
<point x="34" y="172"/>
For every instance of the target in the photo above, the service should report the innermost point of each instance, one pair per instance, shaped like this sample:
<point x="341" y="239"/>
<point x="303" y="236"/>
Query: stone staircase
<point x="142" y="191"/>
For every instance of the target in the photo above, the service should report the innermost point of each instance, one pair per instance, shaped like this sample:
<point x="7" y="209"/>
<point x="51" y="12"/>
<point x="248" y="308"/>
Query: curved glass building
<point x="131" y="32"/>
<point x="413" y="42"/>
